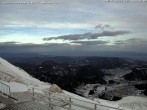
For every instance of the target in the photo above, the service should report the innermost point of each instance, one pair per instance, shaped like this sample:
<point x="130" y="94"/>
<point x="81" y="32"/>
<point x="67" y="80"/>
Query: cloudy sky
<point x="74" y="27"/>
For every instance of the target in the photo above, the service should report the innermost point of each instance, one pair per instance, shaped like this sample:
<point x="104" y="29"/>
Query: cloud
<point x="31" y="45"/>
<point x="131" y="41"/>
<point x="8" y="43"/>
<point x="119" y="42"/>
<point x="88" y="35"/>
<point x="133" y="44"/>
<point x="46" y="25"/>
<point x="103" y="26"/>
<point x="136" y="40"/>
<point x="82" y="17"/>
<point x="63" y="19"/>
<point x="85" y="47"/>
<point x="100" y="42"/>
<point x="51" y="48"/>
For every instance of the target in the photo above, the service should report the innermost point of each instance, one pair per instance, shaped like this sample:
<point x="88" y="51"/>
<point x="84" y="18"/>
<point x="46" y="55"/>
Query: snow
<point x="77" y="96"/>
<point x="133" y="103"/>
<point x="128" y="103"/>
<point x="27" y="106"/>
<point x="17" y="87"/>
<point x="21" y="82"/>
<point x="10" y="73"/>
<point x="1" y="106"/>
<point x="116" y="72"/>
<point x="87" y="103"/>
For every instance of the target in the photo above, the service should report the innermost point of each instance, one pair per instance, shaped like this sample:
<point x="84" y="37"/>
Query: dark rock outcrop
<point x="90" y="74"/>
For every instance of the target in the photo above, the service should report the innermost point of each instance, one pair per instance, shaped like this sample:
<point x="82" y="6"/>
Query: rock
<point x="141" y="86"/>
<point x="145" y="92"/>
<point x="56" y="89"/>
<point x="111" y="82"/>
<point x="116" y="98"/>
<point x="91" y="92"/>
<point x="137" y="74"/>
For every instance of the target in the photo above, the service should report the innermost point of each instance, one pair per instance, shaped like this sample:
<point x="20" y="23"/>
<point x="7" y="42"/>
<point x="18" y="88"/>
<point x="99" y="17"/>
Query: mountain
<point x="26" y="89"/>
<point x="67" y="76"/>
<point x="70" y="72"/>
<point x="74" y="74"/>
<point x="138" y="73"/>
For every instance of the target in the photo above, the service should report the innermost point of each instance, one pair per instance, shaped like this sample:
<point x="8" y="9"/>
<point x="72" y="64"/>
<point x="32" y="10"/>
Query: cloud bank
<point x="88" y="35"/>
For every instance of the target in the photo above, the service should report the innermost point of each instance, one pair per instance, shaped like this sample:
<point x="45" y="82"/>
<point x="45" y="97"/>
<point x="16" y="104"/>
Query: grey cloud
<point x="88" y="35"/>
<point x="133" y="44"/>
<point x="65" y="37"/>
<point x="137" y="40"/>
<point x="86" y="47"/>
<point x="13" y="43"/>
<point x="119" y="42"/>
<point x="51" y="48"/>
<point x="83" y="13"/>
<point x="103" y="27"/>
<point x="49" y="13"/>
<point x="9" y="43"/>
<point x="100" y="42"/>
<point x="112" y="33"/>
<point x="131" y="41"/>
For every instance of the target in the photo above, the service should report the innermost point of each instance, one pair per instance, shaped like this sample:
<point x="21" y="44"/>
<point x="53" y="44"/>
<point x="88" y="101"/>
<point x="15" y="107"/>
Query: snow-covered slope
<point x="18" y="78"/>
<point x="20" y="82"/>
<point x="128" y="103"/>
<point x="133" y="103"/>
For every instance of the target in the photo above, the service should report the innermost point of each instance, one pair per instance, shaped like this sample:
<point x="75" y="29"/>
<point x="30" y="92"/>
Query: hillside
<point x="22" y="84"/>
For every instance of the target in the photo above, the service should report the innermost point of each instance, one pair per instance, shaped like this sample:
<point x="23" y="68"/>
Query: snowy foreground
<point x="21" y="84"/>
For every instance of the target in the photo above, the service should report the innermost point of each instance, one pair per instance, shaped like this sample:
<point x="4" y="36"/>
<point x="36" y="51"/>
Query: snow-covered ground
<point x="21" y="83"/>
<point x="116" y="73"/>
<point x="128" y="103"/>
<point x="18" y="78"/>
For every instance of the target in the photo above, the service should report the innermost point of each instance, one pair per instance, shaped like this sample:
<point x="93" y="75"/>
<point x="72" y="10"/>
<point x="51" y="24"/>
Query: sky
<point x="63" y="27"/>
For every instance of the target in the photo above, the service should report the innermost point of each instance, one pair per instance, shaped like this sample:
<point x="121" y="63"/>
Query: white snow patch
<point x="133" y="103"/>
<point x="128" y="103"/>
<point x="18" y="79"/>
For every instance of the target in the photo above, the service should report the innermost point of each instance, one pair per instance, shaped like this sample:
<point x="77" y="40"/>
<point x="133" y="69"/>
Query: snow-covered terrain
<point x="117" y="73"/>
<point x="128" y="103"/>
<point x="21" y="83"/>
<point x="12" y="74"/>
